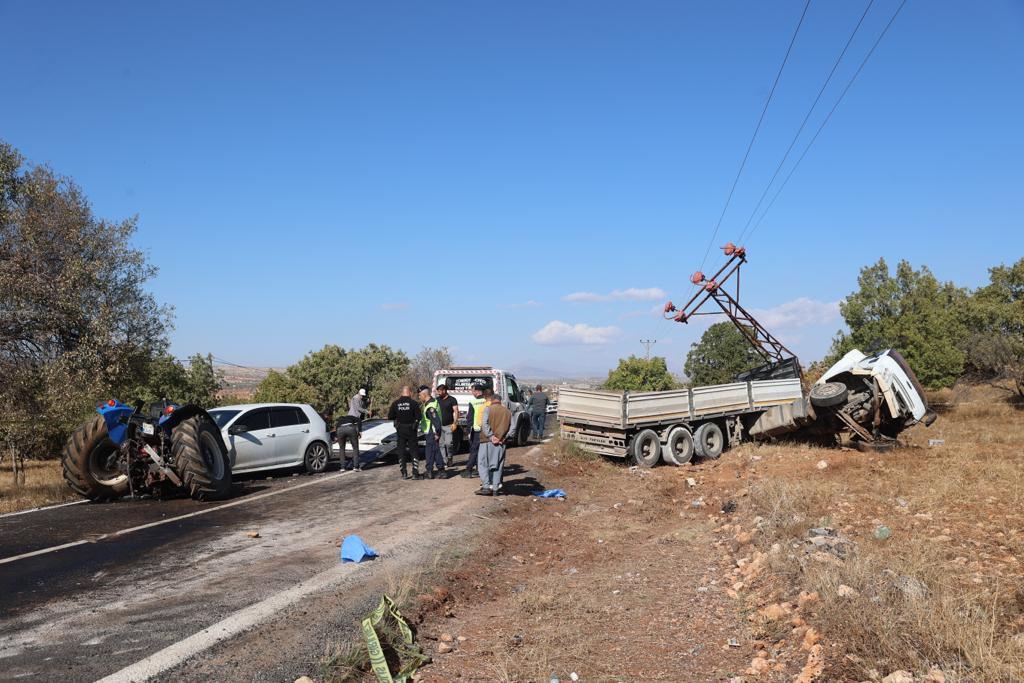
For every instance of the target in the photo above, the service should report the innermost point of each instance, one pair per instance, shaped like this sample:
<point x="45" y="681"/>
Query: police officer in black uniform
<point x="405" y="413"/>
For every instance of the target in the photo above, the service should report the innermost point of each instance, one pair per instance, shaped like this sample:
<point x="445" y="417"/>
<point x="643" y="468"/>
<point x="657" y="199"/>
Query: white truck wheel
<point x="646" y="448"/>
<point x="708" y="441"/>
<point x="679" y="447"/>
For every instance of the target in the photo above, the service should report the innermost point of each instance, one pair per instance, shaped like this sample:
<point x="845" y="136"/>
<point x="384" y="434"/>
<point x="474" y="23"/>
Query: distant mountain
<point x="239" y="379"/>
<point x="534" y="373"/>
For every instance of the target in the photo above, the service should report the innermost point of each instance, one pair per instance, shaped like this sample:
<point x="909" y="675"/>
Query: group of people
<point x="436" y="416"/>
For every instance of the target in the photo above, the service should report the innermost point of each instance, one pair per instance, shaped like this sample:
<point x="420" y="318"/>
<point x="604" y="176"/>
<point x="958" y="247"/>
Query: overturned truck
<point x="871" y="399"/>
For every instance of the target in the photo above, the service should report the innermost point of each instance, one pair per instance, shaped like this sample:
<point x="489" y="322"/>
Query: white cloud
<point x="558" y="333"/>
<point x="798" y="313"/>
<point x="400" y="306"/>
<point x="652" y="312"/>
<point x="525" y="304"/>
<point x="631" y="294"/>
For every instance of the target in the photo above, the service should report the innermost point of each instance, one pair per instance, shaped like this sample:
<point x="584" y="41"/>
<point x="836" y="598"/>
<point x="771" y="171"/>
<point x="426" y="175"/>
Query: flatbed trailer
<point x="673" y="426"/>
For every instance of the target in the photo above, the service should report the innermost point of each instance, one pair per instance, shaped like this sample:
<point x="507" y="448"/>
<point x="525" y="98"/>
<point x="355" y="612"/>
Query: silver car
<point x="263" y="436"/>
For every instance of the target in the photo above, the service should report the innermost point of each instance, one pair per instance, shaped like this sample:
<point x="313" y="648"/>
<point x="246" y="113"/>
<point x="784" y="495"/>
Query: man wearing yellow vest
<point x="430" y="425"/>
<point x="474" y="422"/>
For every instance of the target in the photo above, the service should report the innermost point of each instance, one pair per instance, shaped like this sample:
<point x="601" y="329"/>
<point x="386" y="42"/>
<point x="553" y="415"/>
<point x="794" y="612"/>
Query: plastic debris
<point x="354" y="549"/>
<point x="936" y="442"/>
<point x="550" y="493"/>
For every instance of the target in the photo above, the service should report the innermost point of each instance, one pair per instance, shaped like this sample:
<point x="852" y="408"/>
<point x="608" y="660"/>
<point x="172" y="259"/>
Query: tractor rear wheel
<point x="89" y="462"/>
<point x="199" y="460"/>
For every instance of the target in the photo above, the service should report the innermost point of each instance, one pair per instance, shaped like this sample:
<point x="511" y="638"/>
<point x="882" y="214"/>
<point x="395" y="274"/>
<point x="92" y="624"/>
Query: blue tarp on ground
<point x="550" y="493"/>
<point x="353" y="549"/>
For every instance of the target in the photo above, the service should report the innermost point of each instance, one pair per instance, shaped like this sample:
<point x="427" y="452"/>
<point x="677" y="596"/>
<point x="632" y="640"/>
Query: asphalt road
<point x="178" y="590"/>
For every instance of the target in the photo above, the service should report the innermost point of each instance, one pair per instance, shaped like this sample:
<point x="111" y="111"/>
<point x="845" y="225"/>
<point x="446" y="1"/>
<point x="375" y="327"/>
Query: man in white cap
<point x="358" y="405"/>
<point x="350" y="429"/>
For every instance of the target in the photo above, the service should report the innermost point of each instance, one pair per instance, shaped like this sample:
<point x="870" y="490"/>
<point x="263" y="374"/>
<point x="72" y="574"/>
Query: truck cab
<point x="460" y="379"/>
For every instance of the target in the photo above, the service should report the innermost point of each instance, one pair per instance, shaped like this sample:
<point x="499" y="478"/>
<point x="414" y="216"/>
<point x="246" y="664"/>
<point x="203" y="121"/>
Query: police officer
<point x="405" y="413"/>
<point x="430" y="425"/>
<point x="474" y="423"/>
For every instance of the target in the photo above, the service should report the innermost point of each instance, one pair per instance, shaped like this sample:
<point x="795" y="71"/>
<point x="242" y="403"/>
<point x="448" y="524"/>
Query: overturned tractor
<point x="165" y="450"/>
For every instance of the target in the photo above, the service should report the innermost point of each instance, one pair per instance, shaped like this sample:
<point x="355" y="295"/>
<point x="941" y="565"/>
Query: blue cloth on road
<point x="353" y="549"/>
<point x="550" y="493"/>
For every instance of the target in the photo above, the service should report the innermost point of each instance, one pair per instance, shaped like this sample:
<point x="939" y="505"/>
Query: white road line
<point x="205" y="511"/>
<point x="41" y="509"/>
<point x="238" y="622"/>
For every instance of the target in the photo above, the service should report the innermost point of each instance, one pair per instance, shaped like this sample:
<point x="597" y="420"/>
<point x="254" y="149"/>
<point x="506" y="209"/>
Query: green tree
<point x="167" y="378"/>
<point x="282" y="387"/>
<point x="721" y="354"/>
<point x="640" y="374"/>
<point x="912" y="312"/>
<point x="76" y="324"/>
<point x="328" y="378"/>
<point x="994" y="348"/>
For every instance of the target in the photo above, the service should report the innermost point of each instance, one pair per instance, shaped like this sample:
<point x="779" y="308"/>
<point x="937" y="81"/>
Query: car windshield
<point x="462" y="384"/>
<point x="222" y="417"/>
<point x="370" y="424"/>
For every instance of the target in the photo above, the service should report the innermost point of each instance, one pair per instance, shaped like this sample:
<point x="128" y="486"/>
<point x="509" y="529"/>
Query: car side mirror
<point x="237" y="429"/>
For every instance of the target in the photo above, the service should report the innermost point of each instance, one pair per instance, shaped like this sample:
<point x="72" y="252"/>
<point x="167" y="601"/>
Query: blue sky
<point x="449" y="173"/>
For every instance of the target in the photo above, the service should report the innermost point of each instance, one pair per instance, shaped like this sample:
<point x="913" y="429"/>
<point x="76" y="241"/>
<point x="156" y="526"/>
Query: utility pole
<point x="648" y="343"/>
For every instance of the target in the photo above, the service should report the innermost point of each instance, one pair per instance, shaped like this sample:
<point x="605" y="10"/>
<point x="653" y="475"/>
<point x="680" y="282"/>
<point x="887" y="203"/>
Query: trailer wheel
<point x="828" y="394"/>
<point x="646" y="448"/>
<point x="679" y="448"/>
<point x="203" y="466"/>
<point x="708" y="441"/>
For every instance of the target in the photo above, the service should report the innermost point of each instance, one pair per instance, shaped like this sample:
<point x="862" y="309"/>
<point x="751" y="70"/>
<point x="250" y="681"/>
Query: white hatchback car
<point x="263" y="436"/>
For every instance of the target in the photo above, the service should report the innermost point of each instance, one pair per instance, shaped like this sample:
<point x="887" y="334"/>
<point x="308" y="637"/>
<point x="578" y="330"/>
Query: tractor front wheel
<point x="201" y="463"/>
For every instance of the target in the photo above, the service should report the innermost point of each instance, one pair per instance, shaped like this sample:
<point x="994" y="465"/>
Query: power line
<point x="750" y="145"/>
<point x="237" y="365"/>
<point x="803" y="123"/>
<point x="829" y="116"/>
<point x="648" y="343"/>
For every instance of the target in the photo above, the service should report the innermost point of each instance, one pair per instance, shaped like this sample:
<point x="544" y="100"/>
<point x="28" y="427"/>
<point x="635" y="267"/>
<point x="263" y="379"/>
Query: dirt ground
<point x="711" y="572"/>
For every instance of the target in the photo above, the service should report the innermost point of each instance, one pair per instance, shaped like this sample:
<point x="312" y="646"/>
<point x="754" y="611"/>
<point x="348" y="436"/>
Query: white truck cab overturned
<point x="460" y="379"/>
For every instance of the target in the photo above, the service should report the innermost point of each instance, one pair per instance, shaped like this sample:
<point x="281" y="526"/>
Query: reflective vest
<point x="424" y="421"/>
<point x="478" y="412"/>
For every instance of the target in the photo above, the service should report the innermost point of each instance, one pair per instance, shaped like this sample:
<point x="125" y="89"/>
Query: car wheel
<point x="316" y="458"/>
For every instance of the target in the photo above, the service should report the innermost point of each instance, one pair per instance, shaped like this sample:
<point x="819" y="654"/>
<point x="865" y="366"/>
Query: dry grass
<point x="348" y="661"/>
<point x="43" y="486"/>
<point x="946" y="590"/>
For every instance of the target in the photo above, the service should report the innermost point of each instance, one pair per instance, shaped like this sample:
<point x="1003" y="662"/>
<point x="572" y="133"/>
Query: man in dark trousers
<point x="405" y="413"/>
<point x="538" y="412"/>
<point x="430" y="425"/>
<point x="349" y="429"/>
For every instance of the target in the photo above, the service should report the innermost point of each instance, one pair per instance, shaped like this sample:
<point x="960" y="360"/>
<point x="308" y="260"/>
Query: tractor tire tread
<point x="74" y="461"/>
<point x="188" y="461"/>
